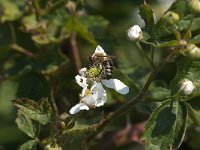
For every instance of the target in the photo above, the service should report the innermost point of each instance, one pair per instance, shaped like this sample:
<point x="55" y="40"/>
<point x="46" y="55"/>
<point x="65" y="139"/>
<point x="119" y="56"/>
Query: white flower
<point x="187" y="87"/>
<point x="135" y="33"/>
<point x="93" y="94"/>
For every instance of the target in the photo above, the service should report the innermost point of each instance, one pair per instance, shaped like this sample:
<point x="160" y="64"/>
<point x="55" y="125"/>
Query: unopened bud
<point x="192" y="51"/>
<point x="135" y="33"/>
<point x="187" y="87"/>
<point x="71" y="6"/>
<point x="171" y="18"/>
<point x="194" y="6"/>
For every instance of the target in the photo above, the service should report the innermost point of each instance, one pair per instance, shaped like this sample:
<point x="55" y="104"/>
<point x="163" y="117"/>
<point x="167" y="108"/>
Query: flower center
<point x="94" y="71"/>
<point x="87" y="92"/>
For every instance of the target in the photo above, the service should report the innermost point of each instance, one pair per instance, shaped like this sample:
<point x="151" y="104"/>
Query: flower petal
<point x="99" y="94"/>
<point x="78" y="107"/>
<point x="82" y="71"/>
<point x="99" y="51"/>
<point x="117" y="85"/>
<point x="82" y="81"/>
<point x="97" y="97"/>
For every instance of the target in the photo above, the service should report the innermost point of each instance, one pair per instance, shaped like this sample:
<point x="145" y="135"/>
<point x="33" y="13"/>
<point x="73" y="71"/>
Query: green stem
<point x="13" y="33"/>
<point x="142" y="52"/>
<point x="128" y="106"/>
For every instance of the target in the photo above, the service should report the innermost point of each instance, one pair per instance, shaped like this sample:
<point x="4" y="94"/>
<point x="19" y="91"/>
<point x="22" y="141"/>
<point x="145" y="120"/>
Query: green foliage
<point x="166" y="127"/>
<point x="25" y="124"/>
<point x="44" y="43"/>
<point x="40" y="111"/>
<point x="28" y="145"/>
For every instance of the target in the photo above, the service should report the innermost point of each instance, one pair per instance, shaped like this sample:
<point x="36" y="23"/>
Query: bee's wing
<point x="117" y="85"/>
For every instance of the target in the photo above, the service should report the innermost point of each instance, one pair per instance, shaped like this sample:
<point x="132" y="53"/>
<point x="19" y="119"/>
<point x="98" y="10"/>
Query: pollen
<point x="94" y="71"/>
<point x="87" y="92"/>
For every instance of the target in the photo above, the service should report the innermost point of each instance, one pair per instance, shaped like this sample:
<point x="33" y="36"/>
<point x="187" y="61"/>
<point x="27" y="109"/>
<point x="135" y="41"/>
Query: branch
<point x="75" y="51"/>
<point x="21" y="50"/>
<point x="126" y="107"/>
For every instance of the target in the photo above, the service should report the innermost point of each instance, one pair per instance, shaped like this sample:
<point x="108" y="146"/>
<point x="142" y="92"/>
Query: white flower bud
<point x="187" y="87"/>
<point x="135" y="33"/>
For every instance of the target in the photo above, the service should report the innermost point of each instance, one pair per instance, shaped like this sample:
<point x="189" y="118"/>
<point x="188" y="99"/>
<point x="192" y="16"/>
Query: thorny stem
<point x="126" y="107"/>
<point x="75" y="51"/>
<point x="141" y="50"/>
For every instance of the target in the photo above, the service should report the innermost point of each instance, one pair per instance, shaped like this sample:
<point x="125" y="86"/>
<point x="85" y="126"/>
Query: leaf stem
<point x="142" y="52"/>
<point x="13" y="33"/>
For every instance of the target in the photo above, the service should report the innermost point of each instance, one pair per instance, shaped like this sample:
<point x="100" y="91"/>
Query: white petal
<point x="78" y="107"/>
<point x="82" y="71"/>
<point x="82" y="81"/>
<point x="97" y="97"/>
<point x="117" y="85"/>
<point x="99" y="51"/>
<point x="99" y="94"/>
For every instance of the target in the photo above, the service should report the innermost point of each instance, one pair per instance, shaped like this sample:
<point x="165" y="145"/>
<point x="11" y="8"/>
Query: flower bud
<point x="194" y="6"/>
<point x="187" y="87"/>
<point x="71" y="6"/>
<point x="192" y="51"/>
<point x="135" y="33"/>
<point x="171" y="18"/>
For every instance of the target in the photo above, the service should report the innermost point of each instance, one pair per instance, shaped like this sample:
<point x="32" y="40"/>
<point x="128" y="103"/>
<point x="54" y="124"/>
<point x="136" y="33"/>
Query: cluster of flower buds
<point x="92" y="80"/>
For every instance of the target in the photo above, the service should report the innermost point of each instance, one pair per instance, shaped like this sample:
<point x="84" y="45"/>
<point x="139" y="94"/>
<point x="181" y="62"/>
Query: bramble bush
<point x="115" y="102"/>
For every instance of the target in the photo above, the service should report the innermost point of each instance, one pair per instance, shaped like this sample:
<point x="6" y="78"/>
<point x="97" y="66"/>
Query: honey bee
<point x="100" y="66"/>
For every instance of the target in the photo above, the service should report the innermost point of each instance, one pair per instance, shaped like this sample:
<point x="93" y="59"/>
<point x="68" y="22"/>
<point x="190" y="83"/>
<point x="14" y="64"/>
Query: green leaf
<point x="40" y="111"/>
<point x="166" y="127"/>
<point x="186" y="69"/>
<point x="195" y="39"/>
<point x="25" y="124"/>
<point x="9" y="11"/>
<point x="28" y="145"/>
<point x="194" y="115"/>
<point x="146" y="14"/>
<point x="74" y="24"/>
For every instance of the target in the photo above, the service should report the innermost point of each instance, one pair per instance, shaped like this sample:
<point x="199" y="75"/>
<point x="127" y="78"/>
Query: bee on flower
<point x="93" y="78"/>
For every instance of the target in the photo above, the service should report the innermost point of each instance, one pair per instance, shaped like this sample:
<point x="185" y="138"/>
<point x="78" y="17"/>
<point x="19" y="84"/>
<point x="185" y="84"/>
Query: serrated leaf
<point x="186" y="69"/>
<point x="28" y="145"/>
<point x="194" y="115"/>
<point x="25" y="124"/>
<point x="166" y="127"/>
<point x="146" y="14"/>
<point x="195" y="39"/>
<point x="40" y="112"/>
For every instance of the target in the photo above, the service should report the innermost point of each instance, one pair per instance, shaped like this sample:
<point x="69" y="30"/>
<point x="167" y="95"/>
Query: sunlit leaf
<point x="166" y="127"/>
<point x="28" y="145"/>
<point x="25" y="124"/>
